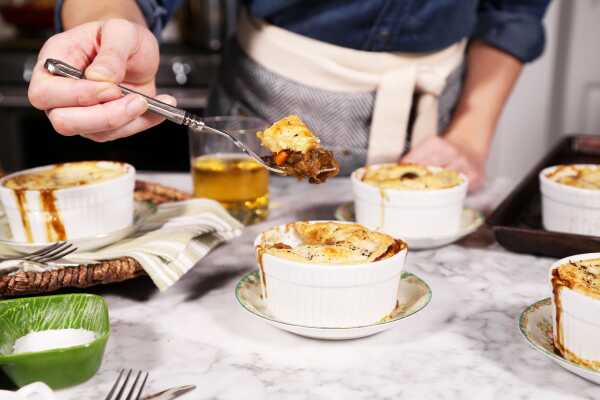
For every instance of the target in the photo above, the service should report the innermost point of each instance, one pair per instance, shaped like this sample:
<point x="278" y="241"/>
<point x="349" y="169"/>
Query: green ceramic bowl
<point x="58" y="368"/>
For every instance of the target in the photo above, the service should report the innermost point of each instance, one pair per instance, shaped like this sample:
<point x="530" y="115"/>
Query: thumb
<point x="118" y="40"/>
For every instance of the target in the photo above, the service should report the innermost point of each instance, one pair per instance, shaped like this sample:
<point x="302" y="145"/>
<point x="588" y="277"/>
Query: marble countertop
<point x="464" y="345"/>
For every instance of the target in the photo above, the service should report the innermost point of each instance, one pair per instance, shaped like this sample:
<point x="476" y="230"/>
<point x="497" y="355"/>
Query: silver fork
<point x="53" y="252"/>
<point x="118" y="389"/>
<point x="173" y="114"/>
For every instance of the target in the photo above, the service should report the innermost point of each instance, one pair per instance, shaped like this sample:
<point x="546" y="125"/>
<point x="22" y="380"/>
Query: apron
<point x="367" y="107"/>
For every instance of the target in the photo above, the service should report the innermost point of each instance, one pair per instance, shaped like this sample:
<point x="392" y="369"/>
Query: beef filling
<point x="309" y="165"/>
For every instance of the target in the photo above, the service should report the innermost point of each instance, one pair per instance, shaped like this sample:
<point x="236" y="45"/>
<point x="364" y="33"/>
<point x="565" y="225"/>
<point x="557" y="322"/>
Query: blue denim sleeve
<point x="156" y="12"/>
<point x="514" y="26"/>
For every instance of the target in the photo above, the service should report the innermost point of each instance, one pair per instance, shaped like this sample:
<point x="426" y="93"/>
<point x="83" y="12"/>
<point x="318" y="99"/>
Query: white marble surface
<point x="465" y="345"/>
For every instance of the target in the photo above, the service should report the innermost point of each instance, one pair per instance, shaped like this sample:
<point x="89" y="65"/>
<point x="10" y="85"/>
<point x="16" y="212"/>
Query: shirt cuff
<point x="156" y="16"/>
<point x="58" y="26"/>
<point x="520" y="35"/>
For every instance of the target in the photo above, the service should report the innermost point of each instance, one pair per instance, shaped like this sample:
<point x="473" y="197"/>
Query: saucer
<point x="413" y="295"/>
<point x="141" y="210"/>
<point x="471" y="220"/>
<point x="536" y="327"/>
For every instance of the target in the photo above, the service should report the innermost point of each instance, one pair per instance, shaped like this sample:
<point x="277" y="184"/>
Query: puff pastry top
<point x="61" y="176"/>
<point x="330" y="243"/>
<point x="580" y="176"/>
<point x="410" y="177"/>
<point x="582" y="276"/>
<point x="289" y="133"/>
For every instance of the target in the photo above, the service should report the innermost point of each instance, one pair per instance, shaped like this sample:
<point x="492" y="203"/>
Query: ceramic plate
<point x="142" y="209"/>
<point x="470" y="220"/>
<point x="536" y="327"/>
<point x="413" y="295"/>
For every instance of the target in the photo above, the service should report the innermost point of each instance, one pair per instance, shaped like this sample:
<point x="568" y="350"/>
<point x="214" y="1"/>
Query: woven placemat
<point x="110" y="271"/>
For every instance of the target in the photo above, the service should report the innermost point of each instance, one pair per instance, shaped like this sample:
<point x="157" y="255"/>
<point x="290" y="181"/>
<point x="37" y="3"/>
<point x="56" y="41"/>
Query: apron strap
<point x="395" y="77"/>
<point x="389" y="125"/>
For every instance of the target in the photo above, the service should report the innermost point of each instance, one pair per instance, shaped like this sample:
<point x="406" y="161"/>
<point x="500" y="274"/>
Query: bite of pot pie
<point x="297" y="150"/>
<point x="62" y="176"/>
<point x="406" y="176"/>
<point x="580" y="176"/>
<point x="329" y="243"/>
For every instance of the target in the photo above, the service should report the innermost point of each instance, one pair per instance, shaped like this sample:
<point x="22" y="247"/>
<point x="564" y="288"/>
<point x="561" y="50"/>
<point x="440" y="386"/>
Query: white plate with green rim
<point x="471" y="220"/>
<point x="413" y="296"/>
<point x="142" y="209"/>
<point x="535" y="324"/>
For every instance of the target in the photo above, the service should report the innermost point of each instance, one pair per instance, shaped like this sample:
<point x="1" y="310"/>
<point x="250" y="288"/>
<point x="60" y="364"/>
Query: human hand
<point x="443" y="152"/>
<point x="111" y="51"/>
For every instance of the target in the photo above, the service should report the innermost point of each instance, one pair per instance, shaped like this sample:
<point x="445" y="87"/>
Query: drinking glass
<point x="222" y="172"/>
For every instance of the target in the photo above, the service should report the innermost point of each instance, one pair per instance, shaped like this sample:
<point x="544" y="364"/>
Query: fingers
<point x="473" y="171"/>
<point x="53" y="91"/>
<point x="438" y="152"/>
<point x="139" y="124"/>
<point x="71" y="121"/>
<point x="433" y="151"/>
<point x="115" y="48"/>
<point x="119" y="39"/>
<point x="75" y="47"/>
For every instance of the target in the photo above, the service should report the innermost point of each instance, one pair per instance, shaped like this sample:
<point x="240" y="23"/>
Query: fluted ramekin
<point x="330" y="295"/>
<point x="84" y="211"/>
<point x="567" y="208"/>
<point x="408" y="213"/>
<point x="579" y="316"/>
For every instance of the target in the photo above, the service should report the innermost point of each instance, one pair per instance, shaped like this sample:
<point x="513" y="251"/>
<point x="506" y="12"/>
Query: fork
<point x="53" y="252"/>
<point x="173" y="114"/>
<point x="119" y="389"/>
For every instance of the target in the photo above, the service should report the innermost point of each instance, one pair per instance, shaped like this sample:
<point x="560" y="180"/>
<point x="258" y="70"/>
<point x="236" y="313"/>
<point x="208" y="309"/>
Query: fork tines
<point x="44" y="251"/>
<point x="119" y="389"/>
<point x="51" y="253"/>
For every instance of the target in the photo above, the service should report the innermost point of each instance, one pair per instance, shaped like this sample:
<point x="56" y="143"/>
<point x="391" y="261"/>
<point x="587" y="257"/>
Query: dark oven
<point x="28" y="140"/>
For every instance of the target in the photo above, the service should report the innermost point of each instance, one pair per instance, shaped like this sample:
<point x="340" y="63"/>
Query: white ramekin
<point x="408" y="213"/>
<point x="567" y="208"/>
<point x="579" y="319"/>
<point x="85" y="211"/>
<point x="331" y="295"/>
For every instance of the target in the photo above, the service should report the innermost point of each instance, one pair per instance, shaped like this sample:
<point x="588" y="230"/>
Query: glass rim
<point x="259" y="122"/>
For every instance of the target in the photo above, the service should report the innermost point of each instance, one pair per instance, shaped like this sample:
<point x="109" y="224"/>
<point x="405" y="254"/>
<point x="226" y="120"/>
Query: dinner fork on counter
<point x="119" y="389"/>
<point x="53" y="252"/>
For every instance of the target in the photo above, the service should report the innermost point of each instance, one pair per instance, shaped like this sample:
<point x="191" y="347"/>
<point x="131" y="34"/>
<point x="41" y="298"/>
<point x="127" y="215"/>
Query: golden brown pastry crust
<point x="582" y="276"/>
<point x="289" y="133"/>
<point x="62" y="176"/>
<point x="332" y="243"/>
<point x="579" y="176"/>
<point x="405" y="176"/>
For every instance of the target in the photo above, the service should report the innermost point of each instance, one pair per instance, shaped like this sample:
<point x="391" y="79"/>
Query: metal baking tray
<point x="517" y="222"/>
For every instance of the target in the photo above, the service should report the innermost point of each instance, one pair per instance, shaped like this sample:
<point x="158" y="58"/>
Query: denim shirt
<point x="514" y="26"/>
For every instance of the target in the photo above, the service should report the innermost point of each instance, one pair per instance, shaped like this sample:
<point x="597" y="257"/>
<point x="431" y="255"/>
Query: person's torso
<point x="373" y="25"/>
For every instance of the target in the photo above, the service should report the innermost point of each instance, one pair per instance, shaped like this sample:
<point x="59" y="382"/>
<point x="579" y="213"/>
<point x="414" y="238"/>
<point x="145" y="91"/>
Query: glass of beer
<point x="222" y="172"/>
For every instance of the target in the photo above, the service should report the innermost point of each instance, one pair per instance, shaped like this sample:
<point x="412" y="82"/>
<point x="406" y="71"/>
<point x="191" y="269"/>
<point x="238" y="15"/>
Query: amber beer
<point x="238" y="182"/>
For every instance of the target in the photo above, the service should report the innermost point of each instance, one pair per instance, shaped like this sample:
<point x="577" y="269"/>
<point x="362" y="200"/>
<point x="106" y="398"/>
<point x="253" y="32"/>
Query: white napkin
<point x="168" y="243"/>
<point x="34" y="391"/>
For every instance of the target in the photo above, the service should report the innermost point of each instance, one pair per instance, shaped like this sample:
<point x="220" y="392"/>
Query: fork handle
<point x="174" y="114"/>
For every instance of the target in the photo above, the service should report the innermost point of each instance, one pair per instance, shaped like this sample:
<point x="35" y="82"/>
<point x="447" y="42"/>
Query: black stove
<point x="28" y="140"/>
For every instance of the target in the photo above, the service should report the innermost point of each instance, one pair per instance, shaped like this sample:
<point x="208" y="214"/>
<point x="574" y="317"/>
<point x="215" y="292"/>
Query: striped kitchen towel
<point x="168" y="241"/>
